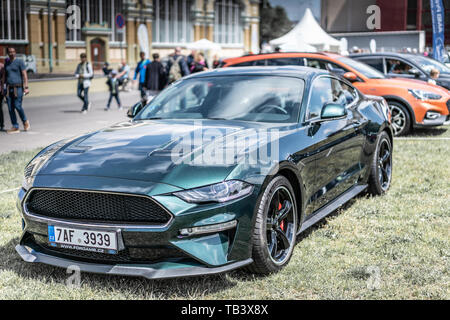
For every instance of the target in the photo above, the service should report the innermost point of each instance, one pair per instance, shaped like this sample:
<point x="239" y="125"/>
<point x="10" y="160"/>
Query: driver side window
<point x="328" y="90"/>
<point x="394" y="66"/>
<point x="321" y="94"/>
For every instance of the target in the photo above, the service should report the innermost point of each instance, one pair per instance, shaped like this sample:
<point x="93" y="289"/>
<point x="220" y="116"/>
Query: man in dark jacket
<point x="155" y="77"/>
<point x="177" y="66"/>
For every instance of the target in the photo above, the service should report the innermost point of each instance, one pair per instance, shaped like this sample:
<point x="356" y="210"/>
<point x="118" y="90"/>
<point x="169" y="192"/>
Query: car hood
<point x="151" y="151"/>
<point x="413" y="84"/>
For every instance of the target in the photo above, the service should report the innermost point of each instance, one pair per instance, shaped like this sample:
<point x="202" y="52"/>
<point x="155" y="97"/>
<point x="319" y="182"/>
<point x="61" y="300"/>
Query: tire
<point x="401" y="119"/>
<point x="381" y="167"/>
<point x="270" y="250"/>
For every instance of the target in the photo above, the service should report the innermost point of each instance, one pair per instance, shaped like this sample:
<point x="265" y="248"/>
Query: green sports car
<point x="221" y="170"/>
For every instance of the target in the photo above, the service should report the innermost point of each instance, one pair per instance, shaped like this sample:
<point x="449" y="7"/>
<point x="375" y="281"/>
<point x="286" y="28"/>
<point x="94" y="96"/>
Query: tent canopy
<point x="204" y="44"/>
<point x="311" y="33"/>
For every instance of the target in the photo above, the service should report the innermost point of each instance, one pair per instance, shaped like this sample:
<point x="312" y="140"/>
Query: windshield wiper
<point x="153" y="118"/>
<point x="215" y="119"/>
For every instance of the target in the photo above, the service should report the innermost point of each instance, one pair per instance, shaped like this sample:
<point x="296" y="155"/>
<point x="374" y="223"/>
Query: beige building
<point x="77" y="26"/>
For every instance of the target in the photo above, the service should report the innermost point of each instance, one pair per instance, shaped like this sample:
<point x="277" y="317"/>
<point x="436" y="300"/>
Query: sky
<point x="296" y="8"/>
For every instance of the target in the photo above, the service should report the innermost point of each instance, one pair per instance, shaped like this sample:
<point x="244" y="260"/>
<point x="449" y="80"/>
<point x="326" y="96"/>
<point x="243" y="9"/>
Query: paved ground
<point x="56" y="118"/>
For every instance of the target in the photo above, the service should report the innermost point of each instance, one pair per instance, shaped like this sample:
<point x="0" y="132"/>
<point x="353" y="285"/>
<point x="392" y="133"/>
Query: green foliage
<point x="274" y="22"/>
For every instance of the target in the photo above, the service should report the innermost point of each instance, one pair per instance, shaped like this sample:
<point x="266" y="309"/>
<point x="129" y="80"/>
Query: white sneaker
<point x="106" y="109"/>
<point x="83" y="112"/>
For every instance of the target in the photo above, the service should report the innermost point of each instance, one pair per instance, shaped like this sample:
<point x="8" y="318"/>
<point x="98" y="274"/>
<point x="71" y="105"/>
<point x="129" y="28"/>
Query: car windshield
<point x="427" y="64"/>
<point x="245" y="98"/>
<point x="363" y="68"/>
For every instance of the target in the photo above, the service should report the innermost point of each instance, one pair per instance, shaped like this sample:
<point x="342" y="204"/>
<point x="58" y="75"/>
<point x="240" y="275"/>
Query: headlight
<point x="38" y="162"/>
<point x="220" y="192"/>
<point x="424" y="95"/>
<point x="386" y="110"/>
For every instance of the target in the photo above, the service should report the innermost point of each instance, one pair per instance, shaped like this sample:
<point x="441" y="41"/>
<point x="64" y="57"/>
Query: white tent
<point x="309" y="32"/>
<point x="203" y="44"/>
<point x="295" y="45"/>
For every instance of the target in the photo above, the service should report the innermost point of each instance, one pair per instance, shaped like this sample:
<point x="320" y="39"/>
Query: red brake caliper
<point x="282" y="221"/>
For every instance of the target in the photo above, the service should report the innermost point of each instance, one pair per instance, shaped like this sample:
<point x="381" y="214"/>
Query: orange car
<point x="413" y="103"/>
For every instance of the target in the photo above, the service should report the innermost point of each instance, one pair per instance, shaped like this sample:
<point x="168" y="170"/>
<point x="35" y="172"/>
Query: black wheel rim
<point x="280" y="227"/>
<point x="398" y="119"/>
<point x="384" y="164"/>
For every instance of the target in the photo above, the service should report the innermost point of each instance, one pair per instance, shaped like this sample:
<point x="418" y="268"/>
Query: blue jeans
<point x="15" y="103"/>
<point x="116" y="96"/>
<point x="83" y="95"/>
<point x="142" y="89"/>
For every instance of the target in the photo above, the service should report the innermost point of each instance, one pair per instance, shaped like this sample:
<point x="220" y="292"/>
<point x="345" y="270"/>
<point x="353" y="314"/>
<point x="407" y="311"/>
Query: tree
<point x="274" y="22"/>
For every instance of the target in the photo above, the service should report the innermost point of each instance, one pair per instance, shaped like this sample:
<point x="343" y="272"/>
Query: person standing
<point x="2" y="91"/>
<point x="155" y="77"/>
<point x="113" y="84"/>
<point x="140" y="70"/>
<point x="16" y="86"/>
<point x="177" y="66"/>
<point x="199" y="63"/>
<point x="190" y="60"/>
<point x="84" y="73"/>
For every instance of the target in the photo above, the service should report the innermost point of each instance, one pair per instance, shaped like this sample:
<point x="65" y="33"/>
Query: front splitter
<point x="153" y="271"/>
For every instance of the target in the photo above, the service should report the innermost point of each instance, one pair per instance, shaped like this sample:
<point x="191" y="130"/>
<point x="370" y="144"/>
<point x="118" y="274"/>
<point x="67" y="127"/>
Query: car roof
<point x="274" y="55"/>
<point x="385" y="54"/>
<point x="291" y="71"/>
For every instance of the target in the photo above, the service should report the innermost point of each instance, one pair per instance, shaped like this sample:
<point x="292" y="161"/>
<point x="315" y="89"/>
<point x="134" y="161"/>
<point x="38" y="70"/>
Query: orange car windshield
<point x="363" y="68"/>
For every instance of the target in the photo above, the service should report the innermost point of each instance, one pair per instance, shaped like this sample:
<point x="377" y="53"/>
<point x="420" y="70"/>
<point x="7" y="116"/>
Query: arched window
<point x="228" y="22"/>
<point x="172" y="21"/>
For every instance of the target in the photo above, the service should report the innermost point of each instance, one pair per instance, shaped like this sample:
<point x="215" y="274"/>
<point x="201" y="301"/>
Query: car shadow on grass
<point x="117" y="286"/>
<point x="427" y="132"/>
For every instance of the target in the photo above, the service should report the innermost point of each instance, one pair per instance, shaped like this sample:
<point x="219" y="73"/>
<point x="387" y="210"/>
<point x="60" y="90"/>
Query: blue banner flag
<point x="437" y="13"/>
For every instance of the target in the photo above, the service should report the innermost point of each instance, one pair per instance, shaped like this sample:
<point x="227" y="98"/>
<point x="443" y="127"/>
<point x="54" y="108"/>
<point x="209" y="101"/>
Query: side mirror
<point x="350" y="76"/>
<point x="333" y="111"/>
<point x="414" y="72"/>
<point x="134" y="110"/>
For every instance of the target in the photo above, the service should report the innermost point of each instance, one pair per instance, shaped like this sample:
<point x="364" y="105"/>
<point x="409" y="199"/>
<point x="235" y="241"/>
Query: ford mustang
<point x="221" y="170"/>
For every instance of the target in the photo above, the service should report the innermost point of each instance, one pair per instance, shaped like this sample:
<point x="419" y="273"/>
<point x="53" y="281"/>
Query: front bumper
<point x="151" y="252"/>
<point x="433" y="123"/>
<point x="162" y="270"/>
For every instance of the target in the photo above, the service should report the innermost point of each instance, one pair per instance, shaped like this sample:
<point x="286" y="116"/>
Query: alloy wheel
<point x="384" y="164"/>
<point x="280" y="226"/>
<point x="398" y="119"/>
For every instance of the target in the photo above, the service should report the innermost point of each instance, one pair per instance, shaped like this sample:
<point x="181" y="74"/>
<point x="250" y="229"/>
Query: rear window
<point x="285" y="62"/>
<point x="243" y="64"/>
<point x="376" y="63"/>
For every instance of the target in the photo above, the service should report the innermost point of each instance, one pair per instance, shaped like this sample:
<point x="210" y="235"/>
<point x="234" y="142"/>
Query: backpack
<point x="175" y="70"/>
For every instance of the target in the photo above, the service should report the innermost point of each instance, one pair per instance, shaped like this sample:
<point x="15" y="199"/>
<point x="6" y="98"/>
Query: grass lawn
<point x="391" y="247"/>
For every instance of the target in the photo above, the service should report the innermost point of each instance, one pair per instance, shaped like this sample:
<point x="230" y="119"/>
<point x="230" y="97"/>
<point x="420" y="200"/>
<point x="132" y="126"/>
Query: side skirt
<point x="332" y="206"/>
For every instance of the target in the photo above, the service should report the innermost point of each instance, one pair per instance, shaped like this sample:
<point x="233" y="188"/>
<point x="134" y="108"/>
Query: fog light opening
<point x="432" y="115"/>
<point x="213" y="228"/>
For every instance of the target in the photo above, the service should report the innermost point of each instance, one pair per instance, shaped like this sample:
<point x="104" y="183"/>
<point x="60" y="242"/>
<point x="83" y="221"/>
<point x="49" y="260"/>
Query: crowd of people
<point x="151" y="76"/>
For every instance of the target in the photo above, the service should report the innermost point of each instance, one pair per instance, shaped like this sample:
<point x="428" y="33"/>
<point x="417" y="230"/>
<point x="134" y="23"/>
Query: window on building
<point x="13" y="22"/>
<point x="99" y="12"/>
<point x="228" y="22"/>
<point x="172" y="21"/>
<point x="411" y="15"/>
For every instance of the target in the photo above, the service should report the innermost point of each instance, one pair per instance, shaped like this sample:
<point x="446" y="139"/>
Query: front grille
<point x="96" y="207"/>
<point x="129" y="255"/>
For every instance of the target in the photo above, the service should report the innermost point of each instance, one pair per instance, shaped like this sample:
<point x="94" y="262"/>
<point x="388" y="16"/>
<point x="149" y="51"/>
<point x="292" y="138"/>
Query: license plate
<point x="81" y="239"/>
